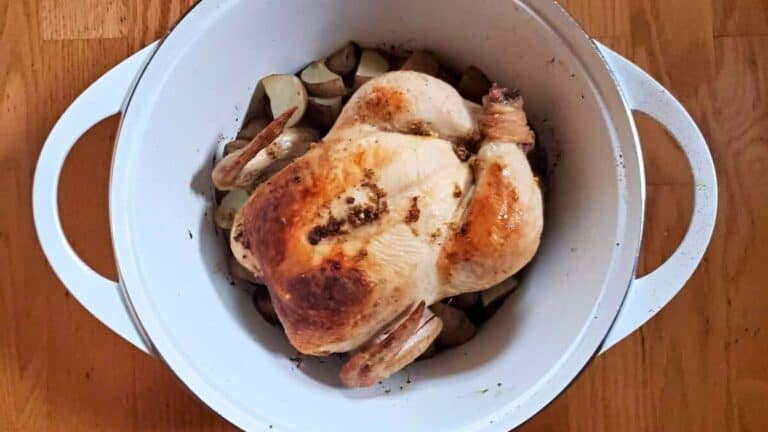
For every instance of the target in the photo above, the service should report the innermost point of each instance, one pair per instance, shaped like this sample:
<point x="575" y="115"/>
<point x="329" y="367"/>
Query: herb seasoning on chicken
<point x="413" y="213"/>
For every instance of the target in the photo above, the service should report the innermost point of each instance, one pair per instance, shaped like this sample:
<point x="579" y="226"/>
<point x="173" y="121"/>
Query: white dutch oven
<point x="180" y="99"/>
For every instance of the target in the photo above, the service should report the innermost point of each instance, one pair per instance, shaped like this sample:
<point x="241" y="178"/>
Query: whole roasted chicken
<point x="413" y="196"/>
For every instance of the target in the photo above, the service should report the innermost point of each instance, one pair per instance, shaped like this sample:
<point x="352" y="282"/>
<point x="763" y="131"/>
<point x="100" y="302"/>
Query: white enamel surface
<point x="101" y="296"/>
<point x="193" y="93"/>
<point x="191" y="98"/>
<point x="651" y="293"/>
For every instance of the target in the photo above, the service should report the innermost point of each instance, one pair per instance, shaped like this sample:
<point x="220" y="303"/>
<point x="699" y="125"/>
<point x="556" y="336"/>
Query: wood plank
<point x="673" y="41"/>
<point x="741" y="17"/>
<point x="23" y="339"/>
<point x="739" y="252"/>
<point x="632" y="387"/>
<point x="151" y="19"/>
<point x="83" y="19"/>
<point x="600" y="18"/>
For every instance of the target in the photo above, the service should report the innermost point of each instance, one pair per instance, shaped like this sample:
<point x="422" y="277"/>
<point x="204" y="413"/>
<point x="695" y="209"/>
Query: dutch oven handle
<point x="104" y="298"/>
<point x="649" y="294"/>
<point x="100" y="296"/>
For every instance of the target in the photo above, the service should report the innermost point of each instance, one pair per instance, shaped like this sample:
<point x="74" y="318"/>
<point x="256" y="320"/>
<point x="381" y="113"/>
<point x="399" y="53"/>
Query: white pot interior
<point x="192" y="99"/>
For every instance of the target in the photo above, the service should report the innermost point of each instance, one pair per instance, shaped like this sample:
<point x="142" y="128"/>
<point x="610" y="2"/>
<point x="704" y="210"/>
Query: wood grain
<point x="741" y="17"/>
<point x="82" y="19"/>
<point x="700" y="365"/>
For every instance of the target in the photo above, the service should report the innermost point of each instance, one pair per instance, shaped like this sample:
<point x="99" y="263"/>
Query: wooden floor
<point x="700" y="365"/>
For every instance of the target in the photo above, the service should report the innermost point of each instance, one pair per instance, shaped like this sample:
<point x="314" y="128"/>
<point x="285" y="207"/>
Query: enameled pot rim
<point x="590" y="342"/>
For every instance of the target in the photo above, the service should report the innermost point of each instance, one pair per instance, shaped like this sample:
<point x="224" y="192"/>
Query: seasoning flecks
<point x="329" y="229"/>
<point x="413" y="212"/>
<point x="457" y="192"/>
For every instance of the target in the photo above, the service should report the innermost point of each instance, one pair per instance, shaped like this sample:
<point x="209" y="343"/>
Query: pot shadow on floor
<point x="237" y="296"/>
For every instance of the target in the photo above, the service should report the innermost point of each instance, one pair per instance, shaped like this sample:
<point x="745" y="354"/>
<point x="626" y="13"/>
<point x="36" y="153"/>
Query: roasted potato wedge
<point x="344" y="60"/>
<point x="499" y="292"/>
<point x="424" y="62"/>
<point x="457" y="329"/>
<point x="372" y="64"/>
<point x="286" y="92"/>
<point x="259" y="104"/>
<point x="230" y="205"/>
<point x="239" y="272"/>
<point x="474" y="84"/>
<point x="321" y="81"/>
<point x="324" y="111"/>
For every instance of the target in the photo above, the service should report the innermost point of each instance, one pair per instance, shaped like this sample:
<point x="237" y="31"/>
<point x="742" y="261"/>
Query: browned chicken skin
<point x="385" y="216"/>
